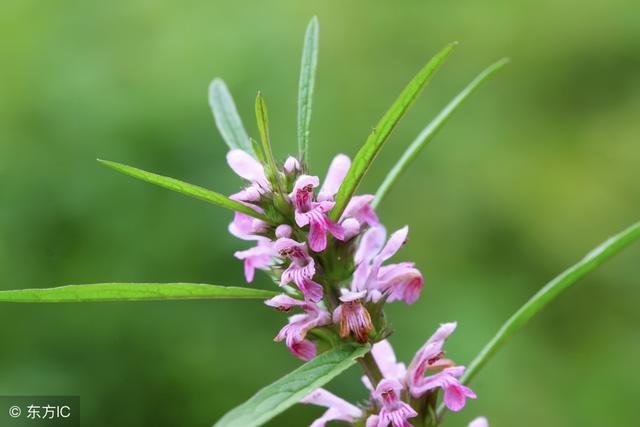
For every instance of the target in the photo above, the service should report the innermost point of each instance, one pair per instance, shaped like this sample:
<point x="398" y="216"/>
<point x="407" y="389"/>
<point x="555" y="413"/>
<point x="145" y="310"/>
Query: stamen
<point x="435" y="358"/>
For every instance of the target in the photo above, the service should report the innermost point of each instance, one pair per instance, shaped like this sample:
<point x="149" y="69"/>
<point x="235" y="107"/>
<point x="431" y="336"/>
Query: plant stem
<point x="370" y="368"/>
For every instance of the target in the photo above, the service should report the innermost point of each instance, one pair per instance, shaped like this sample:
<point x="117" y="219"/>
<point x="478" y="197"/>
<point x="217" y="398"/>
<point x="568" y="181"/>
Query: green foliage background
<point x="537" y="168"/>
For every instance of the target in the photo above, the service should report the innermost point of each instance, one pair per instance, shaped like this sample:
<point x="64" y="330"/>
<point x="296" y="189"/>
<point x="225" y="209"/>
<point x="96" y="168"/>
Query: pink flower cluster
<point x="297" y="250"/>
<point x="337" y="276"/>
<point x="386" y="406"/>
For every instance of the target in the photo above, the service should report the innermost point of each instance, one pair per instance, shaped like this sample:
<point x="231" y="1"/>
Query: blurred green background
<point x="540" y="166"/>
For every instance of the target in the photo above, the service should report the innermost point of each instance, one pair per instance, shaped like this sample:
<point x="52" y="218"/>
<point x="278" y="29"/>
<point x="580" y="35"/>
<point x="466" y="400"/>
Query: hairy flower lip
<point x="353" y="317"/>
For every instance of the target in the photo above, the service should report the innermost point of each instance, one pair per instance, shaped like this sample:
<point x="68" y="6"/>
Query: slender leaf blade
<point x="383" y="129"/>
<point x="306" y="86"/>
<point x="548" y="293"/>
<point x="103" y="292"/>
<point x="262" y="117"/>
<point x="432" y="128"/>
<point x="290" y="389"/>
<point x="184" y="188"/>
<point x="226" y="117"/>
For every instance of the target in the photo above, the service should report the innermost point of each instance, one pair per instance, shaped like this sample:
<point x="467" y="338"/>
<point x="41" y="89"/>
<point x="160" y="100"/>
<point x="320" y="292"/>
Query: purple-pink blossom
<point x="338" y="409"/>
<point x="292" y="243"/>
<point x="479" y="422"/>
<point x="301" y="269"/>
<point x="294" y="333"/>
<point x="353" y="317"/>
<point x="385" y="358"/>
<point x="257" y="257"/>
<point x="251" y="170"/>
<point x="313" y="212"/>
<point x="397" y="281"/>
<point x="430" y="357"/>
<point x="394" y="411"/>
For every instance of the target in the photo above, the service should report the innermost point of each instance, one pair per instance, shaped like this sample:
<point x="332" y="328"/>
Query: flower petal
<point x="351" y="228"/>
<point x="393" y="245"/>
<point x="479" y="422"/>
<point x="246" y="166"/>
<point x="371" y="243"/>
<point x="284" y="302"/>
<point x="359" y="207"/>
<point x="386" y="359"/>
<point x="337" y="171"/>
<point x="291" y="165"/>
<point x="304" y="350"/>
<point x="455" y="396"/>
<point x="322" y="397"/>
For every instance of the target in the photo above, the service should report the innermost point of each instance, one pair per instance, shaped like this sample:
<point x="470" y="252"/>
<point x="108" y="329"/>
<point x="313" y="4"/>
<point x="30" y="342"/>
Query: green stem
<point x="370" y="368"/>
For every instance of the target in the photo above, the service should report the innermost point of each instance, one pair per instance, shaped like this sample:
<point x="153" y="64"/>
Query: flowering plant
<point x="332" y="260"/>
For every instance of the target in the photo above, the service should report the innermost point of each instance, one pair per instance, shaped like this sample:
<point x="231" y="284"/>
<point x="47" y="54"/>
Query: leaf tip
<point x="502" y="62"/>
<point x="216" y="85"/>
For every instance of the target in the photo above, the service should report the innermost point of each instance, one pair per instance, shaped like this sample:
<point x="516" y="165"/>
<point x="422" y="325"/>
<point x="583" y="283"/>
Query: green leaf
<point x="101" y="292"/>
<point x="184" y="188"/>
<point x="290" y="389"/>
<point x="432" y="128"/>
<point x="383" y="129"/>
<point x="548" y="293"/>
<point x="306" y="86"/>
<point x="227" y="118"/>
<point x="262" y="117"/>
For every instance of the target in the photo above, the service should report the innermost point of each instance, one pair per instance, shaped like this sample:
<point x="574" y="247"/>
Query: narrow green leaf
<point x="226" y="116"/>
<point x="258" y="150"/>
<point x="102" y="292"/>
<point x="184" y="188"/>
<point x="290" y="389"/>
<point x="306" y="86"/>
<point x="262" y="117"/>
<point x="548" y="293"/>
<point x="383" y="129"/>
<point x="432" y="128"/>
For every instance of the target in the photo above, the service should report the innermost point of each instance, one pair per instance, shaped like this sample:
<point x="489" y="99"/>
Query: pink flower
<point x="357" y="214"/>
<point x="351" y="228"/>
<point x="403" y="281"/>
<point x="250" y="169"/>
<point x="314" y="212"/>
<point x="479" y="422"/>
<point x="353" y="317"/>
<point x="394" y="411"/>
<point x="283" y="230"/>
<point x="399" y="281"/>
<point x="301" y="270"/>
<point x="338" y="409"/>
<point x="430" y="357"/>
<point x="455" y="394"/>
<point x="295" y="332"/>
<point x="359" y="208"/>
<point x="285" y="303"/>
<point x="335" y="175"/>
<point x="257" y="257"/>
<point x="370" y="282"/>
<point x="291" y="165"/>
<point x="303" y="350"/>
<point x="385" y="358"/>
<point x="246" y="227"/>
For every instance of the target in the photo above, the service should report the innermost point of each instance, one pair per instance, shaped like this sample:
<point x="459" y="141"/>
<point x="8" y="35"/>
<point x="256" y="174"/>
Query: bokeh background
<point x="539" y="167"/>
